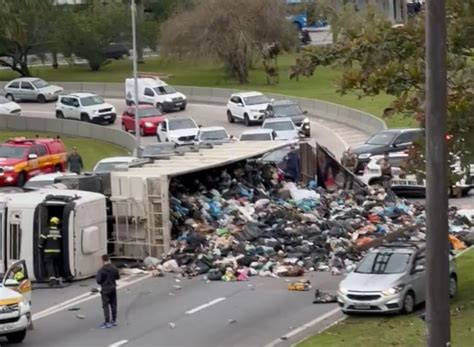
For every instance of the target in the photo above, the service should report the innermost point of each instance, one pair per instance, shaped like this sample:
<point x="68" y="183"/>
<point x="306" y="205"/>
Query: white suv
<point x="249" y="107"/>
<point x="86" y="107"/>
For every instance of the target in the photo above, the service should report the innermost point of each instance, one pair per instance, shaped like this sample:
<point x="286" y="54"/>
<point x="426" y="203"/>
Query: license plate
<point x="362" y="306"/>
<point x="179" y="103"/>
<point x="107" y="117"/>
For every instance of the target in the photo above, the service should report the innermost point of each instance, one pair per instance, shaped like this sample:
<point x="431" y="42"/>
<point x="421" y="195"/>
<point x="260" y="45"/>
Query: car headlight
<point x="306" y="120"/>
<point x="343" y="291"/>
<point x="393" y="290"/>
<point x="168" y="100"/>
<point x="8" y="168"/>
<point x="365" y="155"/>
<point x="148" y="124"/>
<point x="184" y="97"/>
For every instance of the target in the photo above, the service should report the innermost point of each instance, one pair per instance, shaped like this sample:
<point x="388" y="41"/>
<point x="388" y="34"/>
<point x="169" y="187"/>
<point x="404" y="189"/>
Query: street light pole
<point x="437" y="244"/>
<point x="135" y="77"/>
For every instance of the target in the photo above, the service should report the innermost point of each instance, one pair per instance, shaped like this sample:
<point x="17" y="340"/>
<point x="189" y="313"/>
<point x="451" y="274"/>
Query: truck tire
<point x="20" y="182"/>
<point x="41" y="99"/>
<point x="85" y="118"/>
<point x="247" y="120"/>
<point x="59" y="115"/>
<point x="10" y="97"/>
<point x="230" y="117"/>
<point x="16" y="337"/>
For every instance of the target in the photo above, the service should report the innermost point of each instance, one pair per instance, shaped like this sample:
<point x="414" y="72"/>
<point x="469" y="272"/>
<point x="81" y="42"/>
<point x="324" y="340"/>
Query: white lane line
<point x="304" y="327"/>
<point x="344" y="143"/>
<point x="118" y="343"/>
<point x="202" y="307"/>
<point x="82" y="298"/>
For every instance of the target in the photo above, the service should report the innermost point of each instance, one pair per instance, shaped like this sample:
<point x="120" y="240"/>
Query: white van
<point x="154" y="91"/>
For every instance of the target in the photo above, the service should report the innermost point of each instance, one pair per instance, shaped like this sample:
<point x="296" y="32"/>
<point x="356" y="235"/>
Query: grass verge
<point x="208" y="74"/>
<point x="407" y="330"/>
<point x="90" y="150"/>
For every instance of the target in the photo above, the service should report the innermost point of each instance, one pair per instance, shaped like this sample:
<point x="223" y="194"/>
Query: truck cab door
<point x="16" y="278"/>
<point x="163" y="131"/>
<point x="149" y="96"/>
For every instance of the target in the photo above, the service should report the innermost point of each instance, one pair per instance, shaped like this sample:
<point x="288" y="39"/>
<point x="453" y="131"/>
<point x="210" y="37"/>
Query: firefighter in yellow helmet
<point x="51" y="243"/>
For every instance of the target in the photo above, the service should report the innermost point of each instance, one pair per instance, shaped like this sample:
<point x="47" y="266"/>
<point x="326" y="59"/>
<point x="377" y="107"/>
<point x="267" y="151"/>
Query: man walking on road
<point x="106" y="278"/>
<point x="74" y="161"/>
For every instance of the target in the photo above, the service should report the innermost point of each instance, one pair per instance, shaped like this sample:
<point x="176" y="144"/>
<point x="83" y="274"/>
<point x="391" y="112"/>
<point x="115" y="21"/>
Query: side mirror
<point x="11" y="283"/>
<point x="32" y="156"/>
<point x="240" y="105"/>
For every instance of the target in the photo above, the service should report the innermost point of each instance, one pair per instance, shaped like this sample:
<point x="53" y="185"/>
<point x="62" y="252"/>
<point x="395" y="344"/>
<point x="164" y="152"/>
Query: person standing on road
<point x="106" y="278"/>
<point x="349" y="160"/>
<point x="386" y="170"/>
<point x="74" y="161"/>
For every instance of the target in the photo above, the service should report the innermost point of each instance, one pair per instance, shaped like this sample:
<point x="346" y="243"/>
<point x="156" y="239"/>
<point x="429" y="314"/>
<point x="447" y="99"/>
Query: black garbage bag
<point x="214" y="275"/>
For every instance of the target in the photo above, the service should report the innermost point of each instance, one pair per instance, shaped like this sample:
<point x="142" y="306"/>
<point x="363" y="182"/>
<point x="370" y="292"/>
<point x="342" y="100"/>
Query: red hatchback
<point x="150" y="117"/>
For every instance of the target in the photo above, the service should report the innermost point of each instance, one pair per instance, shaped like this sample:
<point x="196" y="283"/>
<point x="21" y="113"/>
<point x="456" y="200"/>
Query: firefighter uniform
<point x="50" y="243"/>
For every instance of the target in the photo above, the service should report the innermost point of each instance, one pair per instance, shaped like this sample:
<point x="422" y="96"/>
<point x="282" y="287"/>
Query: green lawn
<point x="206" y="74"/>
<point x="90" y="150"/>
<point x="407" y="330"/>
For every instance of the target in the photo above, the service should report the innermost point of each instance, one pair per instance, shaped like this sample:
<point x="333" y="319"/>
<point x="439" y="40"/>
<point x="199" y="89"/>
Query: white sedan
<point x="284" y="128"/>
<point x="8" y="107"/>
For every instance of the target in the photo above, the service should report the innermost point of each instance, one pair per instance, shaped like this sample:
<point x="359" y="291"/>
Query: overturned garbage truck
<point x="24" y="216"/>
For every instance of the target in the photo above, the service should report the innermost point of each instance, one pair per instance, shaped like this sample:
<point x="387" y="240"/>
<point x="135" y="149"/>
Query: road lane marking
<point x="83" y="298"/>
<point x="344" y="143"/>
<point x="118" y="343"/>
<point x="304" y="327"/>
<point x="202" y="307"/>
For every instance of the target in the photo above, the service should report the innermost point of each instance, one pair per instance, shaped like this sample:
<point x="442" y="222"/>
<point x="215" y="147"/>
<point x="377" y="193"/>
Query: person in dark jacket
<point x="74" y="161"/>
<point x="51" y="245"/>
<point x="293" y="164"/>
<point x="106" y="278"/>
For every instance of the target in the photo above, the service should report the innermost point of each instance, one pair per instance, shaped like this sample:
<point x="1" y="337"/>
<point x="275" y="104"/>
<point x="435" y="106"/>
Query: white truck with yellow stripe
<point x="15" y="303"/>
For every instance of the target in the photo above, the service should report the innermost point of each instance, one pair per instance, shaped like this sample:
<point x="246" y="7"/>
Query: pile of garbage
<point x="245" y="220"/>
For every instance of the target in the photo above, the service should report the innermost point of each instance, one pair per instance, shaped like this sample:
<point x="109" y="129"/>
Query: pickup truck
<point x="22" y="158"/>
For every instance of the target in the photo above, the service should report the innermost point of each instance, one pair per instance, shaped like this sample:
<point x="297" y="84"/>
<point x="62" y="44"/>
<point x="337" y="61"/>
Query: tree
<point x="233" y="31"/>
<point x="23" y="32"/>
<point x="92" y="28"/>
<point x="381" y="58"/>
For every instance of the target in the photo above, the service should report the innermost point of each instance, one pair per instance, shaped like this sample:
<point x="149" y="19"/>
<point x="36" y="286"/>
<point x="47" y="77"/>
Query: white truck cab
<point x="154" y="91"/>
<point x="15" y="302"/>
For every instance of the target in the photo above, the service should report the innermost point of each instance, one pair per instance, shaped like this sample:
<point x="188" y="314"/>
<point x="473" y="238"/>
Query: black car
<point x="392" y="140"/>
<point x="116" y="51"/>
<point x="292" y="110"/>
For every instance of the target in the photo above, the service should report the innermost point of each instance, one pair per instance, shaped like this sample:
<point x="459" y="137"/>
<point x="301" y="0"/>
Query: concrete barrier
<point x="70" y="128"/>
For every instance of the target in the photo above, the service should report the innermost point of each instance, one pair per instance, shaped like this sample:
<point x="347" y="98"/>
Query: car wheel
<point x="58" y="168"/>
<point x="159" y="107"/>
<point x="85" y="118"/>
<point x="182" y="108"/>
<point x="16" y="337"/>
<point x="246" y="120"/>
<point x="142" y="132"/>
<point x="20" y="182"/>
<point x="59" y="115"/>
<point x="453" y="286"/>
<point x="230" y="117"/>
<point x="408" y="303"/>
<point x="10" y="97"/>
<point x="41" y="99"/>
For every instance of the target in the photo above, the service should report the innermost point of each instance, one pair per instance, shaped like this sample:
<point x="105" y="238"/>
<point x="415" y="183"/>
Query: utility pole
<point x="437" y="254"/>
<point x="135" y="77"/>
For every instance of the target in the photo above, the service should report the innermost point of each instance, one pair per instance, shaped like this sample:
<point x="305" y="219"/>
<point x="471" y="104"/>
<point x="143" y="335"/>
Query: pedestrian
<point x="50" y="243"/>
<point x="386" y="170"/>
<point x="74" y="161"/>
<point x="349" y="160"/>
<point x="293" y="164"/>
<point x="106" y="278"/>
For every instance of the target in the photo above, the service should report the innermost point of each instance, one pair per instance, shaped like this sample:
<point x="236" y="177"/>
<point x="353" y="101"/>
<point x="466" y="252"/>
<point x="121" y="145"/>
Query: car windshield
<point x="149" y="112"/>
<point x="183" y="123"/>
<point x="214" y="135"/>
<point x="256" y="100"/>
<point x="4" y="100"/>
<point x="287" y="110"/>
<point x="384" y="263"/>
<point x="12" y="152"/>
<point x="381" y="139"/>
<point x="40" y="84"/>
<point x="255" y="137"/>
<point x="279" y="126"/>
<point x="108" y="167"/>
<point x="163" y="90"/>
<point x="92" y="100"/>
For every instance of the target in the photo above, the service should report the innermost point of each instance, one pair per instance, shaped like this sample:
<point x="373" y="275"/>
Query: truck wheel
<point x="230" y="117"/>
<point x="408" y="303"/>
<point x="41" y="99"/>
<point x="246" y="120"/>
<point x="16" y="337"/>
<point x="10" y="97"/>
<point x="59" y="115"/>
<point x="85" y="118"/>
<point x="20" y="182"/>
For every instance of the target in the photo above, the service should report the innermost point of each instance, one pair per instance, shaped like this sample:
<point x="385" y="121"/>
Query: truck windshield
<point x="256" y="100"/>
<point x="384" y="263"/>
<point x="163" y="90"/>
<point x="183" y="123"/>
<point x="92" y="100"/>
<point x="12" y="152"/>
<point x="279" y="126"/>
<point x="256" y="137"/>
<point x="214" y="135"/>
<point x="287" y="110"/>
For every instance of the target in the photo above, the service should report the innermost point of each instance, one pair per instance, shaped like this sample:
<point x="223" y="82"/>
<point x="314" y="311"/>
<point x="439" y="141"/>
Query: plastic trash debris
<point x="299" y="286"/>
<point x="172" y="325"/>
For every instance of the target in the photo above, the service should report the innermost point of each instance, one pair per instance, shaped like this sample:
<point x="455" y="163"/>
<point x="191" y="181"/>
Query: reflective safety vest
<point x="51" y="242"/>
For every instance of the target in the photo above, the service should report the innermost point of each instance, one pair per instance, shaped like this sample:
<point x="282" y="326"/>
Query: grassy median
<point x="206" y="74"/>
<point x="90" y="150"/>
<point x="407" y="330"/>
